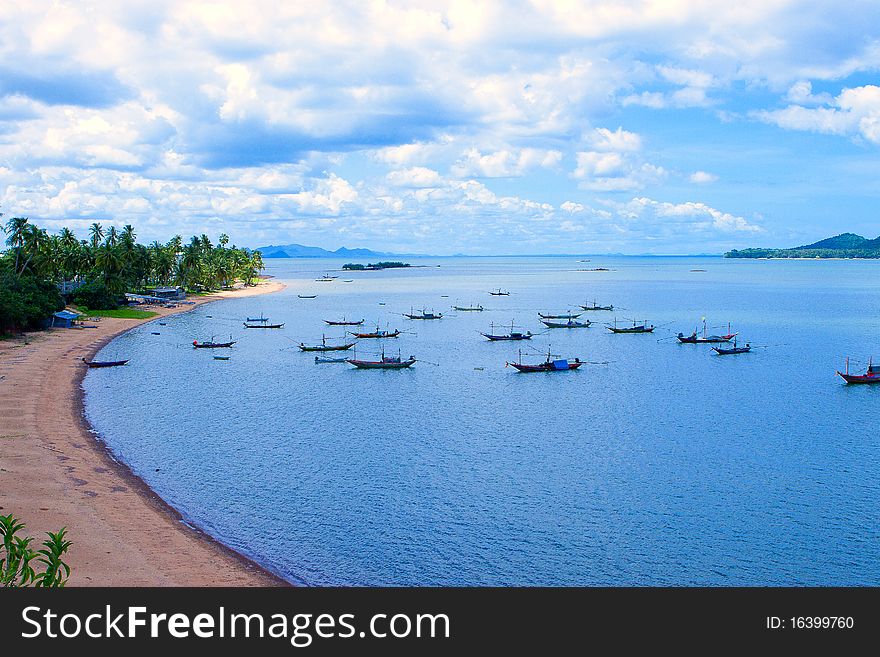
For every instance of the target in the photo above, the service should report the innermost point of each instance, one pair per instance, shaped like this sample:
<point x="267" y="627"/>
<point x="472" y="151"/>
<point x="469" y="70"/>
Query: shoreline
<point x="123" y="532"/>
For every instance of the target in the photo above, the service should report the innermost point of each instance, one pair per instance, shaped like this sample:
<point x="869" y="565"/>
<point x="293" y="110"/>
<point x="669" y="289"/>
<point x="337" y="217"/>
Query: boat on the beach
<point x="330" y="359"/>
<point x="729" y="351"/>
<point x="513" y="335"/>
<point x="595" y="306"/>
<point x="560" y="316"/>
<point x="550" y="365"/>
<point x="499" y="293"/>
<point x="635" y="328"/>
<point x="326" y="347"/>
<point x="693" y="338"/>
<point x="871" y="375"/>
<point x="378" y="333"/>
<point x="263" y="326"/>
<point x="211" y="344"/>
<point x="104" y="363"/>
<point x="384" y="363"/>
<point x="570" y="324"/>
<point x="423" y="314"/>
<point x="342" y="322"/>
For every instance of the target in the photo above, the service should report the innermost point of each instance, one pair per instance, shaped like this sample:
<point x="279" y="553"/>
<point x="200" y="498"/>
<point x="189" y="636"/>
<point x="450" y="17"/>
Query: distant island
<point x="373" y="267"/>
<point x="300" y="251"/>
<point x="845" y="245"/>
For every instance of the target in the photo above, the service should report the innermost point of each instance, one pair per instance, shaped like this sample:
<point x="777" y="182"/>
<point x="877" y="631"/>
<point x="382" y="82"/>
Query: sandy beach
<point x="53" y="473"/>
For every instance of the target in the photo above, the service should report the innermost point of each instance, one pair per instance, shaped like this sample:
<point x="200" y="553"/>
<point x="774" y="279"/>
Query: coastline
<point x="55" y="472"/>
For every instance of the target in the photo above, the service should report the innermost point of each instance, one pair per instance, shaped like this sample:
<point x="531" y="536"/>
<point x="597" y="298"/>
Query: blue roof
<point x="66" y="314"/>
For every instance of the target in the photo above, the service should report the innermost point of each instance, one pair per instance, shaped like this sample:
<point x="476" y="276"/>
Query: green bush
<point x="17" y="557"/>
<point x="25" y="301"/>
<point x="97" y="296"/>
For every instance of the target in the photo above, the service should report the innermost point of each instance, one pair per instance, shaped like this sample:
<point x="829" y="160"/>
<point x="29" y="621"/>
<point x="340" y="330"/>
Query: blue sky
<point x="446" y="127"/>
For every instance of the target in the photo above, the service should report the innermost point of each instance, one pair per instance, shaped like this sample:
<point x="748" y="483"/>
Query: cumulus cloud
<point x="702" y="177"/>
<point x="504" y="163"/>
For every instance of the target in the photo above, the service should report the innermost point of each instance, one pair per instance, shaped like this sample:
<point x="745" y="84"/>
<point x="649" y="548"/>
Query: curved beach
<point x="54" y="473"/>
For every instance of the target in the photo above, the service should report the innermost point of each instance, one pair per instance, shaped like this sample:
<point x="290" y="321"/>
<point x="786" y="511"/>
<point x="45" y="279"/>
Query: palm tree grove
<point x="97" y="272"/>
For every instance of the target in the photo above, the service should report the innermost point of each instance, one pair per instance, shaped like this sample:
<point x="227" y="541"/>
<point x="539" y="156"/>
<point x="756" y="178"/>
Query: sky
<point x="665" y="127"/>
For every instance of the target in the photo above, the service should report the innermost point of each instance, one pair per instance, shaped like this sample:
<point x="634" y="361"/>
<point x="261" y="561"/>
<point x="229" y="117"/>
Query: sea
<point x="656" y="463"/>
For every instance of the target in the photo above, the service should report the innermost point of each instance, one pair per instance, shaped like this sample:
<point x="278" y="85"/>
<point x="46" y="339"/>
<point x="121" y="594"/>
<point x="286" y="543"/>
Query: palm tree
<point x="96" y="233"/>
<point x="112" y="236"/>
<point x="15" y="229"/>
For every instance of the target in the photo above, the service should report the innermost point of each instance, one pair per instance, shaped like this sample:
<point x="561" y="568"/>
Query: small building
<point x="64" y="319"/>
<point x="176" y="293"/>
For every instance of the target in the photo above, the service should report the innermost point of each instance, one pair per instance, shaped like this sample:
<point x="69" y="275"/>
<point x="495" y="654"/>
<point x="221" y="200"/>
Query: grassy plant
<point x="18" y="558"/>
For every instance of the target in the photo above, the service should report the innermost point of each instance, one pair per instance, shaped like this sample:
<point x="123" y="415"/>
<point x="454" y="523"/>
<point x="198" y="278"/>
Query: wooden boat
<point x="499" y="293"/>
<point x="256" y="319"/>
<point x="565" y="316"/>
<point x="549" y="365"/>
<point x="326" y="278"/>
<point x="476" y="308"/>
<point x="307" y="296"/>
<point x="635" y="328"/>
<point x="693" y="338"/>
<point x="212" y="345"/>
<point x="221" y="357"/>
<point x="570" y="324"/>
<point x="378" y="334"/>
<point x="597" y="307"/>
<point x="104" y="363"/>
<point x="385" y="363"/>
<point x="265" y="326"/>
<point x="423" y="315"/>
<point x="871" y="375"/>
<point x="343" y="322"/>
<point x="326" y="347"/>
<point x="513" y="335"/>
<point x="728" y="351"/>
<point x="328" y="359"/>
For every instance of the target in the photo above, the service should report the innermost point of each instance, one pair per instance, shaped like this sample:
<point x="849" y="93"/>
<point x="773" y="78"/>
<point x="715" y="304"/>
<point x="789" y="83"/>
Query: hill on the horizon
<point x="300" y="251"/>
<point x="845" y="245"/>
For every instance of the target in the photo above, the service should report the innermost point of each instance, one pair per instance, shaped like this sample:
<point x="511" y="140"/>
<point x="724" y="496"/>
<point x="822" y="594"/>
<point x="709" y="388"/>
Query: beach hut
<point x="64" y="319"/>
<point x="169" y="293"/>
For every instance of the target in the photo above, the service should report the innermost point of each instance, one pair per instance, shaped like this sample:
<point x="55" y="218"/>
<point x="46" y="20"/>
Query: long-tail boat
<point x="635" y="328"/>
<point x="257" y="319"/>
<point x="693" y="338"/>
<point x="423" y="315"/>
<point x="570" y="324"/>
<point x="563" y="316"/>
<point x="513" y="335"/>
<point x="307" y="296"/>
<point x="597" y="307"/>
<point x="549" y="365"/>
<point x="729" y="351"/>
<point x="263" y="325"/>
<point x="211" y="344"/>
<point x="326" y="347"/>
<point x="385" y="363"/>
<point x="871" y="375"/>
<point x="342" y="322"/>
<point x="477" y="308"/>
<point x="499" y="293"/>
<point x="378" y="334"/>
<point x="330" y="359"/>
<point x="104" y="363"/>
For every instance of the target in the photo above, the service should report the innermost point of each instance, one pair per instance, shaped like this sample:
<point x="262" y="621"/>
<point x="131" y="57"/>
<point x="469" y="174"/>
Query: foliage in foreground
<point x="26" y="301"/>
<point x="21" y="565"/>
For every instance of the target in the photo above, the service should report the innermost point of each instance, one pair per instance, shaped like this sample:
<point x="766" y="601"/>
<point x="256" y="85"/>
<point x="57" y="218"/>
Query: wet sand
<point x="54" y="473"/>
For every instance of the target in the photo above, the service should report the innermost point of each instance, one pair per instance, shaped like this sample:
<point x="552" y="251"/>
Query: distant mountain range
<point x="300" y="251"/>
<point x="845" y="245"/>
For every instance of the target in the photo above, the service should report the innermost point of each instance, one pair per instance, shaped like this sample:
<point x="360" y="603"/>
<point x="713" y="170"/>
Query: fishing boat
<point x="513" y="335"/>
<point x="342" y="322"/>
<point x="257" y="319"/>
<point x="635" y="328"/>
<point x="385" y="363"/>
<point x="307" y="296"/>
<point x="871" y="375"/>
<point x="499" y="293"/>
<point x="693" y="338"/>
<point x="564" y="316"/>
<point x="211" y="344"/>
<point x="378" y="334"/>
<point x="570" y="324"/>
<point x="550" y="365"/>
<point x="326" y="278"/>
<point x="595" y="306"/>
<point x="728" y="351"/>
<point x="221" y="357"/>
<point x="477" y="308"/>
<point x="326" y="347"/>
<point x="104" y="363"/>
<point x="423" y="314"/>
<point x="265" y="326"/>
<point x="329" y="359"/>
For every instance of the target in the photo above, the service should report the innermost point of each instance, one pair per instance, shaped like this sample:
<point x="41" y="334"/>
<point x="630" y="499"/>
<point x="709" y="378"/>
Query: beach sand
<point x="53" y="473"/>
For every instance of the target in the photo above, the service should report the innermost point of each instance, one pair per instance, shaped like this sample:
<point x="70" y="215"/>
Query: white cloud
<point x="703" y="177"/>
<point x="504" y="163"/>
<point x="603" y="139"/>
<point x="414" y="177"/>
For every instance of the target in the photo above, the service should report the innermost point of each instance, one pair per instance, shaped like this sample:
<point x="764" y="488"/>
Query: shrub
<point x="26" y="301"/>
<point x="95" y="296"/>
<point x="17" y="557"/>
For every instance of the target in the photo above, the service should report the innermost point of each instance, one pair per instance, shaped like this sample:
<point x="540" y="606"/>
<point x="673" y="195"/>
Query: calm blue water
<point x="666" y="466"/>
